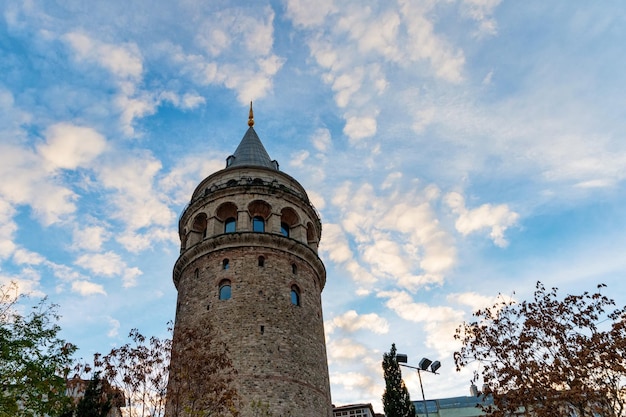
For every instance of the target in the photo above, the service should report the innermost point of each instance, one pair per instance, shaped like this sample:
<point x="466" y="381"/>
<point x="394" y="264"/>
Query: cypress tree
<point x="396" y="399"/>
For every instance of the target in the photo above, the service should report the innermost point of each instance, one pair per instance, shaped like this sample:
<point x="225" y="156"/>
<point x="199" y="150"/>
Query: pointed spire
<point x="250" y="150"/>
<point x="251" y="116"/>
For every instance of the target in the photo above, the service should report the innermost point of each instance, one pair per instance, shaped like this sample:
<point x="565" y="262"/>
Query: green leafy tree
<point x="34" y="361"/>
<point x="396" y="399"/>
<point x="549" y="357"/>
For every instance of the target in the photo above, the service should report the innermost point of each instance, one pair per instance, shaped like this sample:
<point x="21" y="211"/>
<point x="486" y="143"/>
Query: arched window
<point x="230" y="225"/>
<point x="226" y="214"/>
<point x="258" y="224"/>
<point x="261" y="261"/>
<point x="225" y="292"/>
<point x="295" y="295"/>
<point x="196" y="273"/>
<point x="289" y="219"/>
<point x="198" y="228"/>
<point x="294" y="268"/>
<point x="225" y="264"/>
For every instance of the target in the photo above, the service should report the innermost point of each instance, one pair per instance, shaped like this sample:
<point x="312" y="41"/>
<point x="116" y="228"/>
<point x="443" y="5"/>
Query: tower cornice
<point x="250" y="239"/>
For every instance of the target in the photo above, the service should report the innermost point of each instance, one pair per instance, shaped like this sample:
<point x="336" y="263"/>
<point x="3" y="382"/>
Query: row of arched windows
<point x="225" y="292"/>
<point x="227" y="216"/>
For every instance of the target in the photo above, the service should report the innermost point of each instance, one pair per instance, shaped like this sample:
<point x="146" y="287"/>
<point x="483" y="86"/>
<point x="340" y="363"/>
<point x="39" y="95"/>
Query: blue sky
<point x="455" y="150"/>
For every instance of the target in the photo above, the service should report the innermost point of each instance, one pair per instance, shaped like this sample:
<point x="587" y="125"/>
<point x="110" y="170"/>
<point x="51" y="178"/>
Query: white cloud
<point x="191" y="101"/>
<point x="497" y="219"/>
<point x="474" y="300"/>
<point x="129" y="279"/>
<point x="298" y="159"/>
<point x="306" y="13"/>
<point x="134" y="201"/>
<point x="32" y="185"/>
<point x="482" y="12"/>
<point x="123" y="61"/>
<point x="64" y="272"/>
<point x="8" y="227"/>
<point x="115" y="327"/>
<point x="372" y="32"/>
<point x="317" y="199"/>
<point x="336" y="247"/>
<point x="180" y="182"/>
<point x="69" y="146"/>
<point x="358" y="128"/>
<point x="142" y="240"/>
<point x="446" y="62"/>
<point x="109" y="264"/>
<point x="354" y="381"/>
<point x="439" y="323"/>
<point x="106" y="264"/>
<point x="351" y="321"/>
<point x="391" y="179"/>
<point x="345" y="349"/>
<point x="23" y="256"/>
<point x="357" y="46"/>
<point x="396" y="234"/>
<point x="27" y="282"/>
<point x="321" y="139"/>
<point x="90" y="237"/>
<point x="85" y="288"/>
<point x="238" y="42"/>
<point x="131" y="108"/>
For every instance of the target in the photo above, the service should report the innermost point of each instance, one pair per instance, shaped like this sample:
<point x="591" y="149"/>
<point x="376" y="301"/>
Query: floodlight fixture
<point x="423" y="366"/>
<point x="424" y="363"/>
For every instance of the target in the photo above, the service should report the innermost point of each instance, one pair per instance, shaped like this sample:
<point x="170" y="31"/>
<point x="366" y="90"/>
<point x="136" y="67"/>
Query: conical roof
<point x="250" y="150"/>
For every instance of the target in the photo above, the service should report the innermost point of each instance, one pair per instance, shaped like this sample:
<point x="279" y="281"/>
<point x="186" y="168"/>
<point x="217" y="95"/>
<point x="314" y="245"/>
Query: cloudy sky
<point x="455" y="149"/>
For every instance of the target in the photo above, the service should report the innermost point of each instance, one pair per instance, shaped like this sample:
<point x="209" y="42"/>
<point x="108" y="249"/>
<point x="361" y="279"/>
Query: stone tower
<point x="249" y="268"/>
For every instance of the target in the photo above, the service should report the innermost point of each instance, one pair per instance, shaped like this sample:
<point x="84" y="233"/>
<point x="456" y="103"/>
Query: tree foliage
<point x="96" y="400"/>
<point x="139" y="369"/>
<point x="549" y="356"/>
<point x="396" y="399"/>
<point x="33" y="359"/>
<point x="201" y="376"/>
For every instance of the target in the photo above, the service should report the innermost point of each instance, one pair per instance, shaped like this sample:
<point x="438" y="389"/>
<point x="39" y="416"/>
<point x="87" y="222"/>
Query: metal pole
<point x="419" y="374"/>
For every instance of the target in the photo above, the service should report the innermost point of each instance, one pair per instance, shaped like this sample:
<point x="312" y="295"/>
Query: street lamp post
<point x="425" y="365"/>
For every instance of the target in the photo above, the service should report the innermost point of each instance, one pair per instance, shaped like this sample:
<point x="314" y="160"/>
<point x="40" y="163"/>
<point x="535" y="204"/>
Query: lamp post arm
<point x="418" y="369"/>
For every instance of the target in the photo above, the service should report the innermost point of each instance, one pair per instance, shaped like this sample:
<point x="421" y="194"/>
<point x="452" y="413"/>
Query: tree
<point x="396" y="399"/>
<point x="34" y="361"/>
<point x="140" y="370"/>
<point x="549" y="356"/>
<point x="96" y="400"/>
<point x="201" y="380"/>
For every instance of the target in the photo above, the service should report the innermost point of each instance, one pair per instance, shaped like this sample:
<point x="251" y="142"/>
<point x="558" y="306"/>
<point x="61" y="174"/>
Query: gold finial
<point x="251" y="117"/>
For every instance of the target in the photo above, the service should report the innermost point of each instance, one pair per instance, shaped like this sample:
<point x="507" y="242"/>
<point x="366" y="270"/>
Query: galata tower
<point x="249" y="280"/>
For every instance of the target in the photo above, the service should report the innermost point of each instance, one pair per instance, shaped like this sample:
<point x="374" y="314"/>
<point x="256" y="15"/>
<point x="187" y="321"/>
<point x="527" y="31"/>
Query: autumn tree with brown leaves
<point x="201" y="379"/>
<point x="549" y="357"/>
<point x="140" y="370"/>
